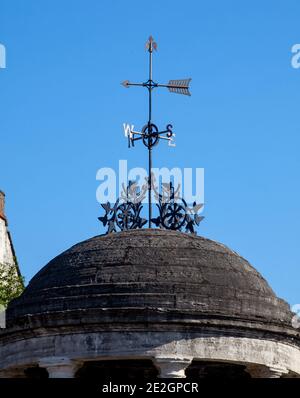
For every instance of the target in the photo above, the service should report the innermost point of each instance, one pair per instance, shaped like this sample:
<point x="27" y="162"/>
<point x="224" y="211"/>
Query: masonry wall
<point x="6" y="251"/>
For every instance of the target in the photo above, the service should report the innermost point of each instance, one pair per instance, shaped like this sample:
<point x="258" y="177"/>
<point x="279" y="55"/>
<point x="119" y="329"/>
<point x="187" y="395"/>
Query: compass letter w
<point x="128" y="129"/>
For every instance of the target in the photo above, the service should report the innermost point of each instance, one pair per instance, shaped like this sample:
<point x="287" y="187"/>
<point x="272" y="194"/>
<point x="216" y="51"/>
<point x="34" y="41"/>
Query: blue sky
<point x="62" y="109"/>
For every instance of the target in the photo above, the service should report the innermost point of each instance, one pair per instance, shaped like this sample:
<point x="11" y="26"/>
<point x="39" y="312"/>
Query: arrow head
<point x="151" y="44"/>
<point x="125" y="83"/>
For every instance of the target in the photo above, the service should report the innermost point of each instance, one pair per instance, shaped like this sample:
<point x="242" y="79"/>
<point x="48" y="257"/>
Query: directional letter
<point x="171" y="140"/>
<point x="128" y="129"/>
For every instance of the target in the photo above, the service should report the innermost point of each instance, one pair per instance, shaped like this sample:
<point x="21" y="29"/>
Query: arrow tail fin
<point x="180" y="86"/>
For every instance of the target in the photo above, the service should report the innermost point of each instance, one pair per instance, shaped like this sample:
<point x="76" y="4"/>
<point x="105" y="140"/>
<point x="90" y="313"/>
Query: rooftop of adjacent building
<point x="2" y="206"/>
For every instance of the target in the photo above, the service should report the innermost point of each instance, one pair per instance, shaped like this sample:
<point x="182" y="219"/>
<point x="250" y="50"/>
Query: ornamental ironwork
<point x="125" y="213"/>
<point x="173" y="211"/>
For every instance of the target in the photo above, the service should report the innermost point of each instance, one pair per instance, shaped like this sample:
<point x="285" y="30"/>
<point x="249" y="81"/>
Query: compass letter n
<point x="128" y="129"/>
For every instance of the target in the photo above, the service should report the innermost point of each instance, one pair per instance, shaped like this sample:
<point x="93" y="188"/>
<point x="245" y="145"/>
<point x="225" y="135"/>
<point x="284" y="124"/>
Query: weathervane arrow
<point x="180" y="86"/>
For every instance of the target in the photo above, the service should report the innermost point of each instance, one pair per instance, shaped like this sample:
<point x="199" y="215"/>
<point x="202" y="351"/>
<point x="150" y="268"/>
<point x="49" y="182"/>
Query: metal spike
<point x="151" y="44"/>
<point x="125" y="83"/>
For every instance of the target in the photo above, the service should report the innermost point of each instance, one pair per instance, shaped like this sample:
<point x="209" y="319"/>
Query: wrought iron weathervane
<point x="174" y="213"/>
<point x="150" y="134"/>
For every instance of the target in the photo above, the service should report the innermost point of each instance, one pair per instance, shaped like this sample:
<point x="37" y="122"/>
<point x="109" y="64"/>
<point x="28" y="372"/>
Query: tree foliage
<point x="11" y="284"/>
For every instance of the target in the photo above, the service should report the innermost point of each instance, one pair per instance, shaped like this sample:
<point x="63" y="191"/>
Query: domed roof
<point x="151" y="273"/>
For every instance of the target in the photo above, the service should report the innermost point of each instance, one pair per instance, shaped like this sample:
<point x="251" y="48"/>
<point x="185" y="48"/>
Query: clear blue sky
<point x="62" y="109"/>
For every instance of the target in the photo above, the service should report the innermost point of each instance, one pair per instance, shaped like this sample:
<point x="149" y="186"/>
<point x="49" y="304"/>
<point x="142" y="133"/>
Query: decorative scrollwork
<point x="125" y="215"/>
<point x="174" y="213"/>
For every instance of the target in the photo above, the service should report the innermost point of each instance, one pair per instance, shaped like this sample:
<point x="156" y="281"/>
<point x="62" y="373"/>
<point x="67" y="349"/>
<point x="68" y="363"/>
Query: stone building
<point x="147" y="303"/>
<point x="7" y="254"/>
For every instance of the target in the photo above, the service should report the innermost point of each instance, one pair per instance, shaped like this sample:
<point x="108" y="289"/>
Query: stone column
<point x="172" y="367"/>
<point x="265" y="372"/>
<point x="60" y="367"/>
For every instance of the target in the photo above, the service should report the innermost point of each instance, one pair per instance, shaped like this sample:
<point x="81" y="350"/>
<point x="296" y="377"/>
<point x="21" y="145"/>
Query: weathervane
<point x="174" y="212"/>
<point x="150" y="134"/>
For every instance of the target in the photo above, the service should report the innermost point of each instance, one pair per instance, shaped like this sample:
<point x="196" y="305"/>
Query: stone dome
<point x="149" y="302"/>
<point x="155" y="273"/>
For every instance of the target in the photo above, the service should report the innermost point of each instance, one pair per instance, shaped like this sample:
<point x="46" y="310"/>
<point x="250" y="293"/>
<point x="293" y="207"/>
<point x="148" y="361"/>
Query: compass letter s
<point x="296" y="57"/>
<point x="171" y="140"/>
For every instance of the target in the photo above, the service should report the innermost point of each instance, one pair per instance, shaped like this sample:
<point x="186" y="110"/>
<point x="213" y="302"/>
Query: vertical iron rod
<point x="150" y="185"/>
<point x="149" y="132"/>
<point x="150" y="82"/>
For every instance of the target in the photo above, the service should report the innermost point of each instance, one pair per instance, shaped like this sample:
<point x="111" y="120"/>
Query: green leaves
<point x="11" y="284"/>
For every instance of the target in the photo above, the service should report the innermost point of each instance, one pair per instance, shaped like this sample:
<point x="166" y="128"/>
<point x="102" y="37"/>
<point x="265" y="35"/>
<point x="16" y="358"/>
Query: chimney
<point x="2" y="205"/>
